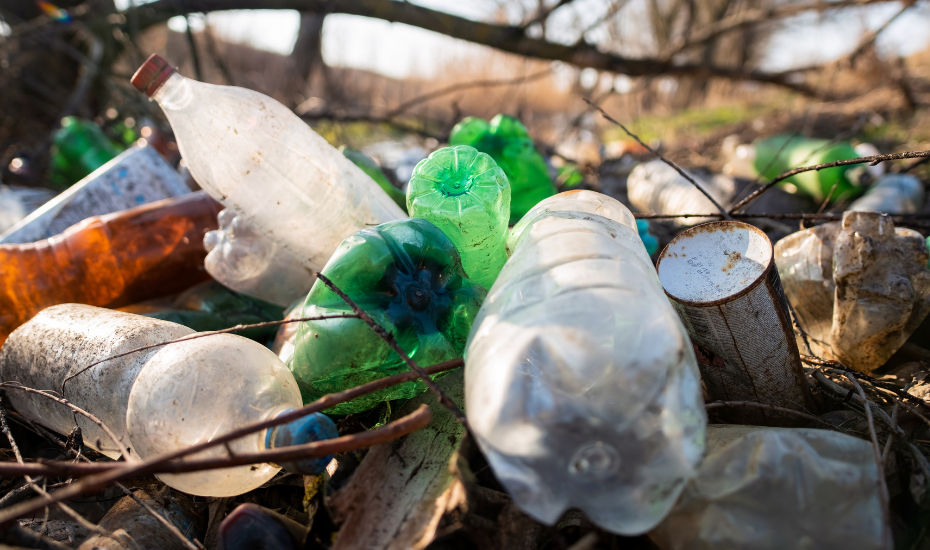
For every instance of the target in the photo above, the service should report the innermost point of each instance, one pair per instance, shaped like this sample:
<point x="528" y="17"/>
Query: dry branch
<point x="506" y="38"/>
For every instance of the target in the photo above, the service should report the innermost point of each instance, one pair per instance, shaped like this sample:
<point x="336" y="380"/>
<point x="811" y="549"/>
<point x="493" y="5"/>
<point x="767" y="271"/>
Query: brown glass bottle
<point x="108" y="261"/>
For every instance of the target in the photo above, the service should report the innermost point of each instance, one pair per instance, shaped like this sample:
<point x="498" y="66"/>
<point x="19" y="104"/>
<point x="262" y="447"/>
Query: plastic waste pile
<point x="154" y="330"/>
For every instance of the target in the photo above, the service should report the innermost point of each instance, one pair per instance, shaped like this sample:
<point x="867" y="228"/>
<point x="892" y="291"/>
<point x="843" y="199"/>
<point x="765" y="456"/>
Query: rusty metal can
<point x="722" y="280"/>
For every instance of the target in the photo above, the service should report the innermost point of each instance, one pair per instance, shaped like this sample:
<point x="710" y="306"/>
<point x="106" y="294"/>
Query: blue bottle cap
<point x="313" y="427"/>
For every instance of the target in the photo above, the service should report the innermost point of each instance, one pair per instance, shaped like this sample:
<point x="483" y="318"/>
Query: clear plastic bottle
<point x="655" y="187"/>
<point x="258" y="158"/>
<point x="581" y="384"/>
<point x="892" y="194"/>
<point x="159" y="400"/>
<point x="465" y="194"/>
<point x="248" y="262"/>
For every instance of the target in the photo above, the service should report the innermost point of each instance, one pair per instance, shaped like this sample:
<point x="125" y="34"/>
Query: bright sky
<point x="399" y="50"/>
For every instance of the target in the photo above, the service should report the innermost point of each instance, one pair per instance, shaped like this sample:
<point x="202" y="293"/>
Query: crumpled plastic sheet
<point x="775" y="488"/>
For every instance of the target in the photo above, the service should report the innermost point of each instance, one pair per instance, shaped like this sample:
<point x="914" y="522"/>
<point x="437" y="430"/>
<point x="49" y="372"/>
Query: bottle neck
<point x="175" y="94"/>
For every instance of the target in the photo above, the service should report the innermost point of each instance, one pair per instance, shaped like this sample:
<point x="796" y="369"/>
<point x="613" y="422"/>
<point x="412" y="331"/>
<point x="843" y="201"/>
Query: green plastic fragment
<point x="508" y="142"/>
<point x="78" y="148"/>
<point x="211" y="306"/>
<point x="407" y="275"/>
<point x="465" y="194"/>
<point x="370" y="167"/>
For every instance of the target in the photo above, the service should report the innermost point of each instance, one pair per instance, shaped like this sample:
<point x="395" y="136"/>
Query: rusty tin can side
<point x="744" y="339"/>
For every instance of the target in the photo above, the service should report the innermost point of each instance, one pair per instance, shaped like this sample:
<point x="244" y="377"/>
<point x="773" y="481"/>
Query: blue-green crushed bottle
<point x="78" y="148"/>
<point x="465" y="194"/>
<point x="370" y="167"/>
<point x="407" y="275"/>
<point x="508" y="142"/>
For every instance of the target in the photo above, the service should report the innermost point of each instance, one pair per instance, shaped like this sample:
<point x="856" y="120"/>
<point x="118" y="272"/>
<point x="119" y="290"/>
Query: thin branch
<point x="869" y="38"/>
<point x="879" y="464"/>
<point x="197" y="335"/>
<point x="390" y="341"/>
<point x="872" y="161"/>
<point x="762" y="15"/>
<point x="754" y="404"/>
<point x="405" y="106"/>
<point x="101" y="478"/>
<point x="543" y="14"/>
<point x="723" y="211"/>
<point x="116" y="441"/>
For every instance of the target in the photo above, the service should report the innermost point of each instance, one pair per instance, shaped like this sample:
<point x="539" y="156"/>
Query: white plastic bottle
<point x="892" y="194"/>
<point x="158" y="400"/>
<point x="655" y="187"/>
<point x="259" y="159"/>
<point x="581" y="384"/>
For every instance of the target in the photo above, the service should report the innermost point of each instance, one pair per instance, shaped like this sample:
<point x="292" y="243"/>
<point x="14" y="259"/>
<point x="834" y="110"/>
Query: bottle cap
<point x="310" y="428"/>
<point x="152" y="74"/>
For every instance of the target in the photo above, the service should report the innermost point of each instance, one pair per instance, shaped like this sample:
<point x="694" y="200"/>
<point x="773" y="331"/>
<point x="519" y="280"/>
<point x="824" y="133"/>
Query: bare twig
<point x="120" y="446"/>
<point x="102" y="477"/>
<point x="197" y="335"/>
<point x="723" y="211"/>
<point x="879" y="464"/>
<point x="872" y="161"/>
<point x="390" y="341"/>
<point x="775" y="408"/>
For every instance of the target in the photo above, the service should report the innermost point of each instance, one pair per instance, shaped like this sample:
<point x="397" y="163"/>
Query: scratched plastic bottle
<point x="466" y="195"/>
<point x="159" y="400"/>
<point x="115" y="260"/>
<point x="264" y="163"/>
<point x="581" y="385"/>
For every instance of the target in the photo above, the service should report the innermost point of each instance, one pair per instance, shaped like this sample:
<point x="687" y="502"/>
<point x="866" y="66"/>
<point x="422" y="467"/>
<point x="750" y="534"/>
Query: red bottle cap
<point x="152" y="74"/>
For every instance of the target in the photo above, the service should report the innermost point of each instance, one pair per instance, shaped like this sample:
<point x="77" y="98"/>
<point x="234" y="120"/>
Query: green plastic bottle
<point x="370" y="167"/>
<point x="408" y="277"/>
<point x="78" y="148"/>
<point x="802" y="151"/>
<point x="465" y="194"/>
<point x="509" y="144"/>
<point x="211" y="306"/>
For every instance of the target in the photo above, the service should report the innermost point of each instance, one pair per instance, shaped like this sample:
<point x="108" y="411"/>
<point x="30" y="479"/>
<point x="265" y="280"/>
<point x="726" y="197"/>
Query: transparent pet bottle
<point x="581" y="384"/>
<point x="258" y="158"/>
<point x="158" y="400"/>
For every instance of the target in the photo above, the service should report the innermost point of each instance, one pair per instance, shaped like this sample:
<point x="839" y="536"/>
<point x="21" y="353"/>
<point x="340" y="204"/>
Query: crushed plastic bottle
<point x="370" y="167"/>
<point x="137" y="176"/>
<point x="773" y="156"/>
<point x="135" y="527"/>
<point x="160" y="400"/>
<point x="17" y="202"/>
<point x="211" y="306"/>
<point x="882" y="289"/>
<point x="465" y="194"/>
<point x="78" y="148"/>
<point x="509" y="143"/>
<point x="248" y="262"/>
<point x="114" y="260"/>
<point x="656" y="188"/>
<point x="581" y="385"/>
<point x="892" y="194"/>
<point x="254" y="527"/>
<point x="859" y="287"/>
<point x="408" y="277"/>
<point x="774" y="488"/>
<point x="264" y="163"/>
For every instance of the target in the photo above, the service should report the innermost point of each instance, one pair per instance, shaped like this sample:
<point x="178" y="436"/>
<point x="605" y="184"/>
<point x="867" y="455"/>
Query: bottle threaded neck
<point x="152" y="74"/>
